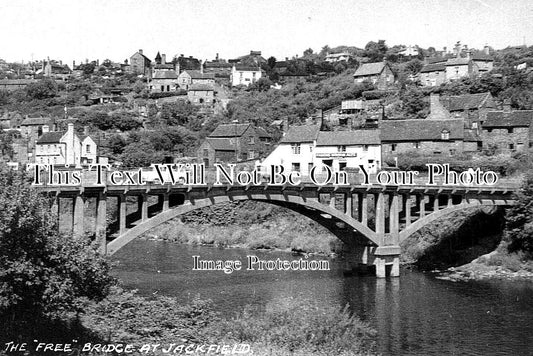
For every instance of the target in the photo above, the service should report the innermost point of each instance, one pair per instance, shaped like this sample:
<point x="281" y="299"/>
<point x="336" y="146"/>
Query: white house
<point x="348" y="149"/>
<point x="305" y="146"/>
<point x="295" y="150"/>
<point x="244" y="75"/>
<point x="60" y="147"/>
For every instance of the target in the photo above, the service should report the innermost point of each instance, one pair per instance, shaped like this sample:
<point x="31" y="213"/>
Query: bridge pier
<point x="79" y="207"/>
<point x="101" y="222"/>
<point x="363" y="259"/>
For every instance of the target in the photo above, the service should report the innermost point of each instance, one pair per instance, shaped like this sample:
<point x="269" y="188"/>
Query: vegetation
<point x="519" y="228"/>
<point x="42" y="272"/>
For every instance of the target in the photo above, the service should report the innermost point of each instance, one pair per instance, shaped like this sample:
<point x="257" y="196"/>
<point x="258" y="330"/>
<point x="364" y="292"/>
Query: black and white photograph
<point x="266" y="177"/>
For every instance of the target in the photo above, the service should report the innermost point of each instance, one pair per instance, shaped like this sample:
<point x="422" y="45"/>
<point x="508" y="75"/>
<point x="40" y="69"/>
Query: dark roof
<point x="195" y="74"/>
<point x="51" y="137"/>
<point x="201" y="87"/>
<point x="482" y="56"/>
<point x="296" y="134"/>
<point x="165" y="74"/>
<point x="221" y="144"/>
<point x="420" y="130"/>
<point x="229" y="130"/>
<point x="261" y="132"/>
<point x="369" y="69"/>
<point x="466" y="101"/>
<point x="36" y="121"/>
<point x="457" y="61"/>
<point x="188" y="63"/>
<point x="434" y="60"/>
<point x="164" y="66"/>
<point x="246" y="68"/>
<point x="348" y="138"/>
<point x="435" y="67"/>
<point x="522" y="118"/>
<point x="218" y="65"/>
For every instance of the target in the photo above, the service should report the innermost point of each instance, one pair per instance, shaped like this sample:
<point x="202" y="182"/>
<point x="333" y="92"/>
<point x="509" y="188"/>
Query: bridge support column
<point x="387" y="256"/>
<point x="380" y="216"/>
<point x="79" y="207"/>
<point x="143" y="203"/>
<point x="421" y="202"/>
<point x="362" y="208"/>
<point x="122" y="213"/>
<point x="407" y="208"/>
<point x="348" y="204"/>
<point x="55" y="206"/>
<point x="101" y="223"/>
<point x="166" y="201"/>
<point x="394" y="216"/>
<point x="436" y="203"/>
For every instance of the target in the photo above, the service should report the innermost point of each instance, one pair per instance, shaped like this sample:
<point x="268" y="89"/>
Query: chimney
<point x="216" y="58"/>
<point x="70" y="128"/>
<point x="506" y="107"/>
<point x="436" y="110"/>
<point x="73" y="65"/>
<point x="163" y="59"/>
<point x="445" y="49"/>
<point x="46" y="129"/>
<point x="201" y="67"/>
<point x="486" y="50"/>
<point x="141" y="51"/>
<point x="98" y="63"/>
<point x="86" y="130"/>
<point x="468" y="54"/>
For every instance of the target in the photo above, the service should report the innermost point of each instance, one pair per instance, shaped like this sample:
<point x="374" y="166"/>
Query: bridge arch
<point x="420" y="223"/>
<point x="296" y="203"/>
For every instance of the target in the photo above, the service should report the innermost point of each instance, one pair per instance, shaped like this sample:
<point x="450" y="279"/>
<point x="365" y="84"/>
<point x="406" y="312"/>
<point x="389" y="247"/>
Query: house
<point x="254" y="59"/>
<point x="295" y="150"/>
<point x="54" y="69"/>
<point x="409" y="51"/>
<point x="338" y="57"/>
<point x="15" y="84"/>
<point x="457" y="68"/>
<point x="378" y="74"/>
<point x="244" y="75"/>
<point x="433" y="74"/>
<point x="190" y="77"/>
<point x="218" y="68"/>
<point x="139" y="63"/>
<point x="349" y="149"/>
<point x="201" y="94"/>
<point x="65" y="147"/>
<point x="32" y="128"/>
<point x="163" y="81"/>
<point x="483" y="60"/>
<point x="506" y="130"/>
<point x="473" y="108"/>
<point x="233" y="142"/>
<point x="187" y="63"/>
<point x="429" y="137"/>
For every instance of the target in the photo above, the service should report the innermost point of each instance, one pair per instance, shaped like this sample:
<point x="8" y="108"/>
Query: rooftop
<point x="229" y="130"/>
<point x="297" y="134"/>
<point x="348" y="138"/>
<point x="421" y="130"/>
<point x="369" y="69"/>
<point x="51" y="137"/>
<point x="521" y="118"/>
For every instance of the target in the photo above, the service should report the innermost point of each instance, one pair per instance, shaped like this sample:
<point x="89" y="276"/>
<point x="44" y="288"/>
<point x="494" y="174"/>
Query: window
<point x="309" y="166"/>
<point x="393" y="147"/>
<point x="452" y="151"/>
<point x="445" y="135"/>
<point x="416" y="145"/>
<point x="365" y="148"/>
<point x="510" y="130"/>
<point x="206" y="152"/>
<point x="341" y="148"/>
<point x="251" y="140"/>
<point x="162" y="88"/>
<point x="88" y="148"/>
<point x="251" y="154"/>
<point x="295" y="148"/>
<point x="296" y="167"/>
<point x="511" y="146"/>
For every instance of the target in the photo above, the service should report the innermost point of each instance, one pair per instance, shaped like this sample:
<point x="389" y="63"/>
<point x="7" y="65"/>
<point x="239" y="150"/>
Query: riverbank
<point x="151" y="326"/>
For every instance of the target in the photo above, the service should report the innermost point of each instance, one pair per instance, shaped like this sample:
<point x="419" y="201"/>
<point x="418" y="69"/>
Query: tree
<point x="271" y="62"/>
<point x="376" y="51"/>
<point x="42" y="272"/>
<point x="43" y="89"/>
<point x="519" y="227"/>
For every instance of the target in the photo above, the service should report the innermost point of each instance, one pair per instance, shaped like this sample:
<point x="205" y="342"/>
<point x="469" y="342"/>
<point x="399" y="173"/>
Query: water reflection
<point x="415" y="314"/>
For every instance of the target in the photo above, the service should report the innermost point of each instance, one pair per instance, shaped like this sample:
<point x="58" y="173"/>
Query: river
<point x="415" y="314"/>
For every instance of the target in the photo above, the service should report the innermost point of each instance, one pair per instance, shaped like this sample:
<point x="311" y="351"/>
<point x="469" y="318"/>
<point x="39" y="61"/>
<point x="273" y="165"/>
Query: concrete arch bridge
<point x="372" y="219"/>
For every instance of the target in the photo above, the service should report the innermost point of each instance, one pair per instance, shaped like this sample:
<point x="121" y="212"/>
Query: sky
<point x="115" y="29"/>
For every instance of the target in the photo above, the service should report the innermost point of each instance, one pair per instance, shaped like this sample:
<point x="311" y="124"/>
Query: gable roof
<point x="434" y="67"/>
<point x="348" y="138"/>
<point x="145" y="58"/>
<point x="297" y="134"/>
<point x="420" y="130"/>
<point x="245" y="68"/>
<point x="29" y="121"/>
<point x="196" y="74"/>
<point x="51" y="137"/>
<point x="367" y="69"/>
<point x="165" y="74"/>
<point x="201" y="87"/>
<point x="482" y="56"/>
<point x="229" y="130"/>
<point x="521" y="118"/>
<point x="221" y="144"/>
<point x="466" y="101"/>
<point x="261" y="132"/>
<point x="457" y="61"/>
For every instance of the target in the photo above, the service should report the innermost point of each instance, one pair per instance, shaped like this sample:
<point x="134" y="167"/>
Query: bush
<point x="42" y="272"/>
